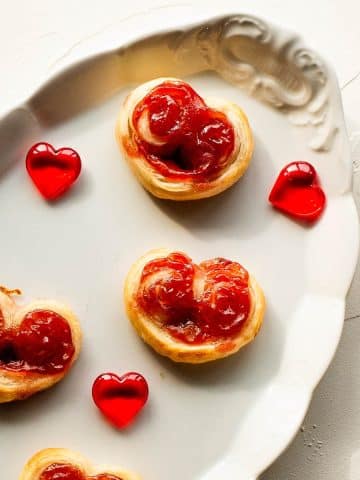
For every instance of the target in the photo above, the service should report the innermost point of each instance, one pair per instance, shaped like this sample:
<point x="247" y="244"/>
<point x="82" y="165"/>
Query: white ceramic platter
<point x="224" y="420"/>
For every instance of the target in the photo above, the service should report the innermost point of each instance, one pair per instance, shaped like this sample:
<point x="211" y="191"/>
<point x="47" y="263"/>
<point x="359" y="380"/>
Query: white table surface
<point x="35" y="34"/>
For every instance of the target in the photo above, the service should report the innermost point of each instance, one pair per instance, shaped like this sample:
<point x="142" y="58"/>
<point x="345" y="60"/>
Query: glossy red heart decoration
<point x="52" y="171"/>
<point x="120" y="399"/>
<point x="297" y="192"/>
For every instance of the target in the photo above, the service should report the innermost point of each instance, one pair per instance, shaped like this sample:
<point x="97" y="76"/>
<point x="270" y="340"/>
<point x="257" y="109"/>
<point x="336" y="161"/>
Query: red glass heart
<point x="120" y="399"/>
<point x="297" y="192"/>
<point x="52" y="171"/>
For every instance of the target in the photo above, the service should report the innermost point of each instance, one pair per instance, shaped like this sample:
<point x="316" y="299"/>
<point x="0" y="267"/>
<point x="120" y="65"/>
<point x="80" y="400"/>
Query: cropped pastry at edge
<point x="180" y="146"/>
<point x="39" y="343"/>
<point x="60" y="463"/>
<point x="193" y="313"/>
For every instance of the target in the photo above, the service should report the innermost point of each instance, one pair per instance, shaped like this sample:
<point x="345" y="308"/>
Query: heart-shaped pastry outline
<point x="167" y="345"/>
<point x="300" y="172"/>
<point x="17" y="385"/>
<point x="44" y="458"/>
<point x="46" y="153"/>
<point x="163" y="187"/>
<point x="110" y="384"/>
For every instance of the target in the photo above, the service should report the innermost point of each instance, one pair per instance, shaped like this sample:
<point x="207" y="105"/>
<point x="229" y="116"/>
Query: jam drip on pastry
<point x="195" y="303"/>
<point x="180" y="136"/>
<point x="42" y="343"/>
<point x="62" y="471"/>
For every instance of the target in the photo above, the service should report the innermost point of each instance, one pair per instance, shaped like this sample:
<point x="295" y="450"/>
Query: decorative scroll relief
<point x="271" y="65"/>
<point x="355" y="151"/>
<point x="319" y="112"/>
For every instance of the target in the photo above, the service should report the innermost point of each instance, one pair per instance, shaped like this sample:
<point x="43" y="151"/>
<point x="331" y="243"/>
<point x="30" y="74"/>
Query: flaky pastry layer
<point x="175" y="189"/>
<point x="18" y="385"/>
<point x="165" y="344"/>
<point x="43" y="459"/>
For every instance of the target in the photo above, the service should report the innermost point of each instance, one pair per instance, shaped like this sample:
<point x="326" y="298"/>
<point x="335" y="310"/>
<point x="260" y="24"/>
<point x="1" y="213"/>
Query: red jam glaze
<point x="197" y="140"/>
<point x="297" y="192"/>
<point x="62" y="471"/>
<point x="42" y="343"/>
<point x="219" y="310"/>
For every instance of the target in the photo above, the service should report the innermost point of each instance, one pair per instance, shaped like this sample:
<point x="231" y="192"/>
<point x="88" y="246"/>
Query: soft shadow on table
<point x="17" y="130"/>
<point x="229" y="389"/>
<point x="241" y="210"/>
<point x="81" y="190"/>
<point x="16" y="412"/>
<point x="245" y="370"/>
<point x="28" y="410"/>
<point x="329" y="425"/>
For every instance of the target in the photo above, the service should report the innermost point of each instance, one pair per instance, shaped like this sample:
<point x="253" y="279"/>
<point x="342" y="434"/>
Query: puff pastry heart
<point x="39" y="342"/>
<point x="193" y="313"/>
<point x="180" y="146"/>
<point x="63" y="464"/>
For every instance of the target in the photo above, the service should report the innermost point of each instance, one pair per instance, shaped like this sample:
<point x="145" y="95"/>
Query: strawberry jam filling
<point x="42" y="343"/>
<point x="63" y="471"/>
<point x="185" y="139"/>
<point x="195" y="303"/>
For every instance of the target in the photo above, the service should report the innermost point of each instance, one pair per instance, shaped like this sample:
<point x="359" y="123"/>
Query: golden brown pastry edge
<point x="21" y="385"/>
<point x="166" y="345"/>
<point x="162" y="187"/>
<point x="44" y="458"/>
